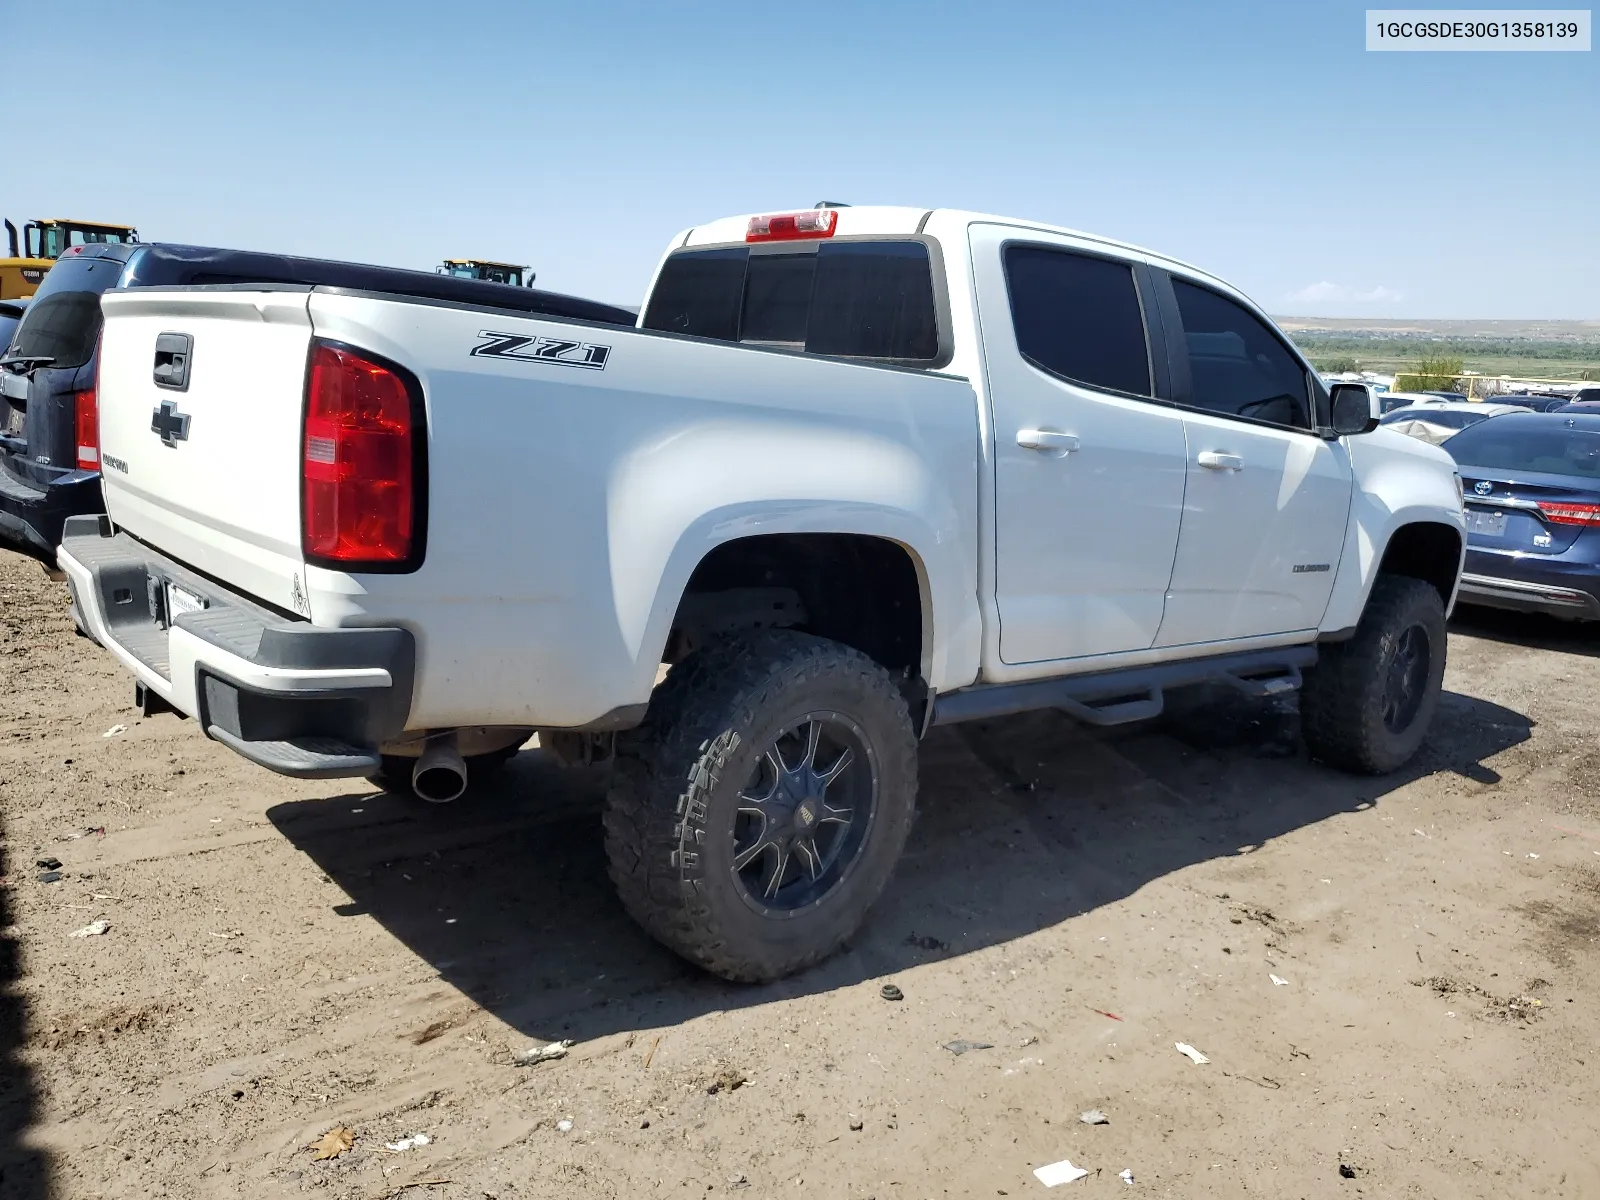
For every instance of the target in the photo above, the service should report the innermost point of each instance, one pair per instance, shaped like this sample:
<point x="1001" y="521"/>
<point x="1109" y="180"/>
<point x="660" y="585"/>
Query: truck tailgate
<point x="206" y="466"/>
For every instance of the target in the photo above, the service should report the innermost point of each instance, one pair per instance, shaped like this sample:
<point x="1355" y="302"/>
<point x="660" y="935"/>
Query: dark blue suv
<point x="49" y="426"/>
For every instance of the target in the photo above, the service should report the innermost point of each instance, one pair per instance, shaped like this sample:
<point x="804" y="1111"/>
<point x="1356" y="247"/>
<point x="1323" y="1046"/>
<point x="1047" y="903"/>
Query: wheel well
<point x="1427" y="551"/>
<point x="862" y="591"/>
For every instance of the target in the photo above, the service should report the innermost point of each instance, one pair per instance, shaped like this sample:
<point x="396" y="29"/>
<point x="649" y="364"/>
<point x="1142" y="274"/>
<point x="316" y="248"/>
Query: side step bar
<point x="1134" y="694"/>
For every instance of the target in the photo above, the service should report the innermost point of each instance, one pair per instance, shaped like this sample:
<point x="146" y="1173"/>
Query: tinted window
<point x="1551" y="447"/>
<point x="63" y="321"/>
<point x="777" y="299"/>
<point x="849" y="299"/>
<point x="1237" y="365"/>
<point x="699" y="293"/>
<point x="1078" y="317"/>
<point x="8" y="326"/>
<point x="873" y="300"/>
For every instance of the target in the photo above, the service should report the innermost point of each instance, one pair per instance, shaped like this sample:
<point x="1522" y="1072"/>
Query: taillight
<point x="787" y="227"/>
<point x="87" y="420"/>
<point x="1570" y="514"/>
<point x="359" y="501"/>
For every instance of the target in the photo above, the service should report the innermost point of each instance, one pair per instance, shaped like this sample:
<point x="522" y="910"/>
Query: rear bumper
<point x="300" y="700"/>
<point x="1562" y="593"/>
<point x="32" y="517"/>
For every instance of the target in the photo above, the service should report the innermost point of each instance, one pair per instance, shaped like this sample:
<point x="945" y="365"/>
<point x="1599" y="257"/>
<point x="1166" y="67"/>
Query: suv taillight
<point x="359" y="468"/>
<point x="87" y="419"/>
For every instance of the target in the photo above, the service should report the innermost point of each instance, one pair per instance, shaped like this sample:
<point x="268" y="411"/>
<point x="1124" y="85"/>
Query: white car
<point x="1440" y="420"/>
<point x="855" y="473"/>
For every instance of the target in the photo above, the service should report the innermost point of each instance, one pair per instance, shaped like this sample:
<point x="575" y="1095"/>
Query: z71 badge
<point x="542" y="349"/>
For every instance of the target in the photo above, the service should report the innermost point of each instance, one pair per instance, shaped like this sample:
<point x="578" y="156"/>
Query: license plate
<point x="180" y="602"/>
<point x="1489" y="524"/>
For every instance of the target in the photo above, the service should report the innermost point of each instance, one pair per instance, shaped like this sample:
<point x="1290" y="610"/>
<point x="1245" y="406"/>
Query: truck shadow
<point x="24" y="1171"/>
<point x="1536" y="631"/>
<point x="1024" y="823"/>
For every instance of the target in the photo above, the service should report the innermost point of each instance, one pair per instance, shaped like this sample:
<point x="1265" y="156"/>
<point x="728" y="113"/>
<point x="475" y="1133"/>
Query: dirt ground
<point x="289" y="958"/>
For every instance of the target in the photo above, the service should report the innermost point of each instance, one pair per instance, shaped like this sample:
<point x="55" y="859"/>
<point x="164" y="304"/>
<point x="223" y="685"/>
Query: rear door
<point x="1267" y="499"/>
<point x="204" y="462"/>
<point x="1089" y="461"/>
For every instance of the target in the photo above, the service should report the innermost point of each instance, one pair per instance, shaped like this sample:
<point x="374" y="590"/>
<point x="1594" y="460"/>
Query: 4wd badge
<point x="542" y="349"/>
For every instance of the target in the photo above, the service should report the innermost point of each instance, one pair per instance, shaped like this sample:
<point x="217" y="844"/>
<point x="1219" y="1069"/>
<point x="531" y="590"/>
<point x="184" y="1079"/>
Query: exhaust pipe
<point x="440" y="775"/>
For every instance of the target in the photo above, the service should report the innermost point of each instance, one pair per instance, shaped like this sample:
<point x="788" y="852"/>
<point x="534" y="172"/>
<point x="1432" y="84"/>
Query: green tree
<point x="1336" y="365"/>
<point x="1438" y="374"/>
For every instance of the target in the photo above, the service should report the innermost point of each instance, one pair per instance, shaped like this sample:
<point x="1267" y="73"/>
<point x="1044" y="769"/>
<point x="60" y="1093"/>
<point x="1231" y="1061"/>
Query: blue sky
<point x="1260" y="141"/>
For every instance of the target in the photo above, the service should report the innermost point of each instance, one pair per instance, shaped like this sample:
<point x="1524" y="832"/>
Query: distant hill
<point x="1538" y="349"/>
<point x="1577" y="331"/>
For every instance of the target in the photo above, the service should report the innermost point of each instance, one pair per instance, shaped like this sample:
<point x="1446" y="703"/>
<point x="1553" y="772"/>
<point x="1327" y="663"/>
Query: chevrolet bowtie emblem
<point x="169" y="424"/>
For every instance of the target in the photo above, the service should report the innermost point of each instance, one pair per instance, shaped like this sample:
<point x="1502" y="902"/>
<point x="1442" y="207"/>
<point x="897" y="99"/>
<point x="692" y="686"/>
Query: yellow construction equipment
<point x="482" y="268"/>
<point x="43" y="242"/>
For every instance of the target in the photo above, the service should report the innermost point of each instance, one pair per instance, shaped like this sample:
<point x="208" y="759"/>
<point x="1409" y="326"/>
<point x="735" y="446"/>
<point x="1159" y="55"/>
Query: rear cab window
<point x="63" y="322"/>
<point x="1077" y="316"/>
<point x="862" y="298"/>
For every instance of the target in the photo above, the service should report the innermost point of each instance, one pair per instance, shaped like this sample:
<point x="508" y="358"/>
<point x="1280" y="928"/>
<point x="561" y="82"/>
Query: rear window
<point x="63" y="322"/>
<point x="862" y="299"/>
<point x="1550" y="449"/>
<point x="1078" y="317"/>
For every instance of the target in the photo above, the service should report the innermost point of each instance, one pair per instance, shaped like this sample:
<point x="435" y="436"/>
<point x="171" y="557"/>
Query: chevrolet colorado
<point x="854" y="473"/>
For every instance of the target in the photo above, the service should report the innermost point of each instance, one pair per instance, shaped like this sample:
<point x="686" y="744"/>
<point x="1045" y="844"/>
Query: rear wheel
<point x="758" y="812"/>
<point x="1367" y="704"/>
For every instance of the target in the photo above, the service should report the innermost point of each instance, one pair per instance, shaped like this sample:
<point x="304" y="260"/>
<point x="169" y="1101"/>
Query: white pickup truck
<point x="855" y="472"/>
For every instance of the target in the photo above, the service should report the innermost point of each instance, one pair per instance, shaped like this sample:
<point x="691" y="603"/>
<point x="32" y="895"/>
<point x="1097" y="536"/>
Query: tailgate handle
<point x="173" y="351"/>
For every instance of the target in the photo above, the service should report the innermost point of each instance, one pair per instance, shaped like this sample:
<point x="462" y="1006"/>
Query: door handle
<point x="1212" y="460"/>
<point x="1047" y="439"/>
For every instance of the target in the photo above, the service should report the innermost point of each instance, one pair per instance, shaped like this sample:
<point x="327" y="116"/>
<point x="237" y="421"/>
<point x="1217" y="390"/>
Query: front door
<point x="1267" y="500"/>
<point x="1089" y="465"/>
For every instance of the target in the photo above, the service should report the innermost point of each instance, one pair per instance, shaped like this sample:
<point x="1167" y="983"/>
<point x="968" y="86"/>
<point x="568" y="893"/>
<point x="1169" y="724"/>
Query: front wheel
<point x="1367" y="704"/>
<point x="758" y="812"/>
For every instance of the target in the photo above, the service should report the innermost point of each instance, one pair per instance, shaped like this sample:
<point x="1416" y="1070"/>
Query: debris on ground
<point x="114" y="730"/>
<point x="50" y="877"/>
<point x="93" y="929"/>
<point x="960" y="1046"/>
<point x="1058" y="1172"/>
<point x="94" y="830"/>
<point x="889" y="992"/>
<point x="48" y="864"/>
<point x="333" y="1143"/>
<point x="406" y="1143"/>
<point x="545" y="1053"/>
<point x="738" y="1181"/>
<point x="1276" y="982"/>
<point x="1346" y="1171"/>
<point x="927" y="943"/>
<point x="1094" y="1117"/>
<point x="1030" y="1040"/>
<point x="1126" y="1175"/>
<point x="564" y="1125"/>
<point x="1191" y="1053"/>
<point x="855" y="1123"/>
<point x="1102" y="1012"/>
<point x="728" y="1079"/>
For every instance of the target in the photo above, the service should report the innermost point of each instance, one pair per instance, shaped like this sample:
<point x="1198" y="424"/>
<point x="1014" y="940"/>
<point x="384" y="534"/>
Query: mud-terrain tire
<point x="394" y="776"/>
<point x="739" y="761"/>
<point x="1367" y="704"/>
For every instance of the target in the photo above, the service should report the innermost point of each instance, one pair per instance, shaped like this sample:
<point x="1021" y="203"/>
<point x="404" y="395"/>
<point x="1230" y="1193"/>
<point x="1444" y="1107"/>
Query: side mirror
<point x="1354" y="409"/>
